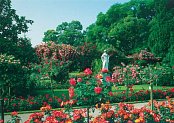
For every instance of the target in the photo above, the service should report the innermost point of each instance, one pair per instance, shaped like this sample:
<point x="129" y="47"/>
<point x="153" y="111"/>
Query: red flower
<point x="97" y="90"/>
<point x="59" y="100"/>
<point x="71" y="92"/>
<point x="172" y="90"/>
<point x="108" y="79"/>
<point x="88" y="71"/>
<point x="110" y="93"/>
<point x="99" y="76"/>
<point x="79" y="80"/>
<point x="14" y="113"/>
<point x="72" y="81"/>
<point x="104" y="70"/>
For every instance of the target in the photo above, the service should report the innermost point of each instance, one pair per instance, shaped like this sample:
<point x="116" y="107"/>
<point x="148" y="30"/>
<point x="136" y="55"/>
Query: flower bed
<point x="122" y="113"/>
<point x="34" y="103"/>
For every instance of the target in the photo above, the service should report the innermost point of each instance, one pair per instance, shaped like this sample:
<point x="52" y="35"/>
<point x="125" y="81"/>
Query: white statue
<point x="105" y="60"/>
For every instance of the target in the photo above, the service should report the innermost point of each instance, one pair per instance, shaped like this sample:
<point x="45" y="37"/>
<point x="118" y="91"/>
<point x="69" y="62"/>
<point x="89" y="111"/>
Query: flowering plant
<point x="35" y="118"/>
<point x="46" y="109"/>
<point x="91" y="90"/>
<point x="14" y="118"/>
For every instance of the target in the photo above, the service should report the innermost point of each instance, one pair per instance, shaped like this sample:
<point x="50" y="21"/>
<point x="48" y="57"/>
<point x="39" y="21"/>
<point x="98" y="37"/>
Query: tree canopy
<point x="12" y="29"/>
<point x="66" y="33"/>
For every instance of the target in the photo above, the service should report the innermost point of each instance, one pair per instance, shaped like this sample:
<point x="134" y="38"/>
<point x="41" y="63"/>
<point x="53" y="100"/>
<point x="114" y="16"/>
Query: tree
<point x="14" y="46"/>
<point x="66" y="33"/>
<point x="161" y="32"/>
<point x="50" y="35"/>
<point x="124" y="26"/>
<point x="130" y="33"/>
<point x="12" y="76"/>
<point x="11" y="27"/>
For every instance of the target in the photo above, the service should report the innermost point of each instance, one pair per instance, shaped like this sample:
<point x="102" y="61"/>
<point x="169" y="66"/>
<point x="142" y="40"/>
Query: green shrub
<point x="96" y="65"/>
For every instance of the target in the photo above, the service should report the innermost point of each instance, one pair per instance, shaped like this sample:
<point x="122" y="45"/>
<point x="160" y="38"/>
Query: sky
<point x="48" y="14"/>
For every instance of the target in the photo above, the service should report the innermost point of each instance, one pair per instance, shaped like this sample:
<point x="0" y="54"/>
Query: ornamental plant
<point x="165" y="109"/>
<point x="54" y="63"/>
<point x="126" y="75"/>
<point x="57" y="116"/>
<point x="90" y="89"/>
<point x="13" y="76"/>
<point x="14" y="118"/>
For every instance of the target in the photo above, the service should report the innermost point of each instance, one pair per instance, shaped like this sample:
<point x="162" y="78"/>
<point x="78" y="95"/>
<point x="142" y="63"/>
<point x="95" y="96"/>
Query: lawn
<point x="59" y="92"/>
<point x="141" y="87"/>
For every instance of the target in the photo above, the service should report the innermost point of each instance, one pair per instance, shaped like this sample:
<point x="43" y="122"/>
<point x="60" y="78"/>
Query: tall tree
<point x="130" y="33"/>
<point x="162" y="26"/>
<point x="11" y="28"/>
<point x="124" y="26"/>
<point x="66" y="33"/>
<point x="50" y="35"/>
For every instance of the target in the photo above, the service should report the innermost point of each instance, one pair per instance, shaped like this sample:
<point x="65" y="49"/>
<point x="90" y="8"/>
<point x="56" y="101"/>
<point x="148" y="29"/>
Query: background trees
<point x="161" y="40"/>
<point x="13" y="43"/>
<point x="66" y="33"/>
<point x="124" y="29"/>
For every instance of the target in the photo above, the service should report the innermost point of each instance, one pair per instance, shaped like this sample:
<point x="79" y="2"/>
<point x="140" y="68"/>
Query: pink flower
<point x="88" y="71"/>
<point x="72" y="81"/>
<point x="71" y="92"/>
<point x="108" y="79"/>
<point x="110" y="93"/>
<point x="79" y="79"/>
<point x="97" y="90"/>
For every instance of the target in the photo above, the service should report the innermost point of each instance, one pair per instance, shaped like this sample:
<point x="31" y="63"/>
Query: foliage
<point x="15" y="46"/>
<point x="87" y="53"/>
<point x="55" y="61"/>
<point x="42" y="99"/>
<point x="14" y="117"/>
<point x="161" y="30"/>
<point x="50" y="35"/>
<point x="13" y="76"/>
<point x="158" y="74"/>
<point x="32" y="102"/>
<point x="166" y="78"/>
<point x="96" y="65"/>
<point x="66" y="33"/>
<point x="135" y="33"/>
<point x="96" y="89"/>
<point x="165" y="110"/>
<point x="11" y="26"/>
<point x="124" y="26"/>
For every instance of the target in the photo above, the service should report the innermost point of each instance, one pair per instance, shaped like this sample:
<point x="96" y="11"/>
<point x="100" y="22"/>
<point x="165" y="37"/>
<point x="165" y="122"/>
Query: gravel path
<point x="95" y="113"/>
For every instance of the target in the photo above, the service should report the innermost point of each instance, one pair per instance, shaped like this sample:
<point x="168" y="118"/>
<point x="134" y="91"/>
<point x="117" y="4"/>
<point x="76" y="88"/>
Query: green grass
<point x="59" y="92"/>
<point x="141" y="87"/>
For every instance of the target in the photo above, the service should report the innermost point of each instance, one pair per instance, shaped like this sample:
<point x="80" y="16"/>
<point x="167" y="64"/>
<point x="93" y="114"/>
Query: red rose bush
<point x="90" y="90"/>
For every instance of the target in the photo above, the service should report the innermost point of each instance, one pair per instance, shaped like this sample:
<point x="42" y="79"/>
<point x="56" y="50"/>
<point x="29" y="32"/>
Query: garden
<point x="62" y="79"/>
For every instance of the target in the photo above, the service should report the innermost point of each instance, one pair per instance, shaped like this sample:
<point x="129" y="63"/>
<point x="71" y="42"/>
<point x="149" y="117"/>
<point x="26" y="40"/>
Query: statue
<point x="105" y="60"/>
